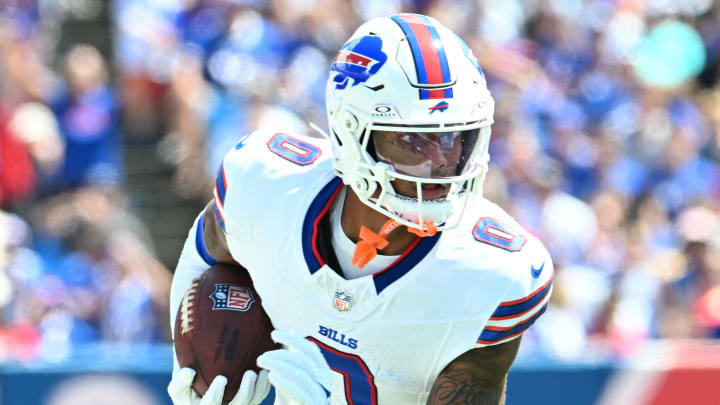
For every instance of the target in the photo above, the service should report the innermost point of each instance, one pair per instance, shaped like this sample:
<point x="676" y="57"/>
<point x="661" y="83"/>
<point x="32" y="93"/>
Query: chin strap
<point x="428" y="229"/>
<point x="371" y="242"/>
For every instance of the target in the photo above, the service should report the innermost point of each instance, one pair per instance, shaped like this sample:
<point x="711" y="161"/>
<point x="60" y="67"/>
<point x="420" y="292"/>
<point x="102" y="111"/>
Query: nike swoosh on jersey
<point x="536" y="272"/>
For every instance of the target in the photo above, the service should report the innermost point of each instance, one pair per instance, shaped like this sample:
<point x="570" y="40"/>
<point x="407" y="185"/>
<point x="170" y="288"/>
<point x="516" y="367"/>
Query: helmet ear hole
<point x="364" y="184"/>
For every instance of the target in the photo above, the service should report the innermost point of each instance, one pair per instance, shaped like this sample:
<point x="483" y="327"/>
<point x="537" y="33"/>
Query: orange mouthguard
<point x="371" y="242"/>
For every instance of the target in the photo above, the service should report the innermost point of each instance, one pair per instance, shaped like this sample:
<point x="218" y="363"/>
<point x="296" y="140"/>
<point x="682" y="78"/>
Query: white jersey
<point x="387" y="335"/>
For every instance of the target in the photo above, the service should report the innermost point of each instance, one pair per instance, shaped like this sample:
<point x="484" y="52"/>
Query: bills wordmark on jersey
<point x="332" y="334"/>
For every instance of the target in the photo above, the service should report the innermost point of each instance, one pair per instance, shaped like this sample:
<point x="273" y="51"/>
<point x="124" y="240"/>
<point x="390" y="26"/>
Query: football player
<point x="387" y="276"/>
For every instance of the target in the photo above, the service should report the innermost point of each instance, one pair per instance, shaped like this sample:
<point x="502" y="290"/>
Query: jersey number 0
<point x="493" y="232"/>
<point x="293" y="150"/>
<point x="358" y="380"/>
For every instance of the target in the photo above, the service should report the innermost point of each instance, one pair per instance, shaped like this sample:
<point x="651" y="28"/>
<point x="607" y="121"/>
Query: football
<point x="221" y="328"/>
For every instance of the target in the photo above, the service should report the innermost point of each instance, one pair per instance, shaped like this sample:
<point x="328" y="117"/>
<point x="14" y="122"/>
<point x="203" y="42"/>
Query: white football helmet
<point x="407" y="100"/>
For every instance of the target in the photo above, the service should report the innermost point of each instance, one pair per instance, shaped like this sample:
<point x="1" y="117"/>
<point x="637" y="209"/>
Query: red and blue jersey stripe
<point x="221" y="184"/>
<point x="431" y="63"/>
<point x="495" y="334"/>
<point x="220" y="190"/>
<point x="320" y="206"/>
<point x="219" y="217"/>
<point x="512" y="318"/>
<point x="517" y="308"/>
<point x="200" y="244"/>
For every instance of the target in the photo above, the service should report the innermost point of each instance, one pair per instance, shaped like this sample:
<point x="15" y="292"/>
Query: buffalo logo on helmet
<point x="358" y="60"/>
<point x="231" y="297"/>
<point x="441" y="106"/>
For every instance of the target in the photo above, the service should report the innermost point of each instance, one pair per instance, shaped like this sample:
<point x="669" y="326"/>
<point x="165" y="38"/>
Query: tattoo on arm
<point x="215" y="241"/>
<point x="476" y="377"/>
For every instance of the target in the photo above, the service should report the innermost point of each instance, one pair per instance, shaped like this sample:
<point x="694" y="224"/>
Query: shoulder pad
<point x="262" y="155"/>
<point x="510" y="251"/>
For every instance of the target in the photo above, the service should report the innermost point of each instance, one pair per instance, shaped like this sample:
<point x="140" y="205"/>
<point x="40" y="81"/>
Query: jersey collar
<point x="318" y="211"/>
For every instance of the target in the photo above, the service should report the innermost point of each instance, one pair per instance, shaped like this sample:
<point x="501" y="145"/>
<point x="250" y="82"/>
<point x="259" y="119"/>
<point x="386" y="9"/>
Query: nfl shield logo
<point x="342" y="301"/>
<point x="231" y="297"/>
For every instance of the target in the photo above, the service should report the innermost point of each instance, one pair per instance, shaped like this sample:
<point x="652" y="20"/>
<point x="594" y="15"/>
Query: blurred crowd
<point x="76" y="265"/>
<point x="606" y="145"/>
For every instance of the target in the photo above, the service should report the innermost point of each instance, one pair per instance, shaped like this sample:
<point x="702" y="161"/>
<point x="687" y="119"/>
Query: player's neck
<point x="356" y="214"/>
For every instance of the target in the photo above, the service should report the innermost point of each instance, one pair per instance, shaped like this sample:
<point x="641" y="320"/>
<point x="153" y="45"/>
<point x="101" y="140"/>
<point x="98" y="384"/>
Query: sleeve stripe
<point x="218" y="202"/>
<point x="221" y="184"/>
<point x="521" y="300"/>
<point x="200" y="244"/>
<point x="510" y="322"/>
<point x="527" y="304"/>
<point x="492" y="334"/>
<point x="219" y="216"/>
<point x="497" y="342"/>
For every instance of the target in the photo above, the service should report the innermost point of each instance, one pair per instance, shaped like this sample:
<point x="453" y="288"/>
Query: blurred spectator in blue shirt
<point x="87" y="116"/>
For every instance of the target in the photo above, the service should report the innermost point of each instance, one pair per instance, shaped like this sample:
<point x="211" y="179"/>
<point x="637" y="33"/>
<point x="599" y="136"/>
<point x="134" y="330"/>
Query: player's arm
<point x="205" y="246"/>
<point x="215" y="241"/>
<point x="476" y="377"/>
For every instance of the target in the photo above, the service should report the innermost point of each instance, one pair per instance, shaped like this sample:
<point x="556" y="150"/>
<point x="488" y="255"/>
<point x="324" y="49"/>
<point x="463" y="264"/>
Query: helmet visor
<point x="430" y="155"/>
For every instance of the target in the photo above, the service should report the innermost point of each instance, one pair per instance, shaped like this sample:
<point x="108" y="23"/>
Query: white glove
<point x="299" y="372"/>
<point x="253" y="389"/>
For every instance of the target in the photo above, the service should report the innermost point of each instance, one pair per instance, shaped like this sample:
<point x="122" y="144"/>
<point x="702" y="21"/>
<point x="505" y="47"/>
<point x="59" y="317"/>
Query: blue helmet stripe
<point x="444" y="67"/>
<point x="415" y="47"/>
